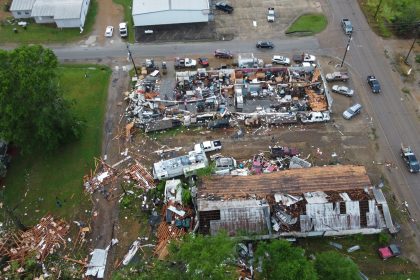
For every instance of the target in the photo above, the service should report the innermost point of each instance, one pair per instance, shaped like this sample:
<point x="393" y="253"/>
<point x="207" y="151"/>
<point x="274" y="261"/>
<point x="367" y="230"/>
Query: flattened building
<point x="330" y="200"/>
<point x="164" y="12"/>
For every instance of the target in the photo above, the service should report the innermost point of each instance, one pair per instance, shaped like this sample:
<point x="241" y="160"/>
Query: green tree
<point x="205" y="257"/>
<point x="33" y="111"/>
<point x="282" y="261"/>
<point x="331" y="266"/>
<point x="407" y="20"/>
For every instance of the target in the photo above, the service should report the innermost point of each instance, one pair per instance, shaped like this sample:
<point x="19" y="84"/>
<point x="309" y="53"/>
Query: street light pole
<point x="132" y="60"/>
<point x="347" y="49"/>
<point x="377" y="9"/>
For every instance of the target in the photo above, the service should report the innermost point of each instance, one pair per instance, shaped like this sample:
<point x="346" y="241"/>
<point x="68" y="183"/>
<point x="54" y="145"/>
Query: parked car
<point x="410" y="159"/>
<point x="123" y="29"/>
<point x="223" y="6"/>
<point x="209" y="146"/>
<point x="270" y="15"/>
<point x="315" y="117"/>
<point x="352" y="111"/>
<point x="109" y="31"/>
<point x="282" y="151"/>
<point x="374" y="84"/>
<point x="342" y="90"/>
<point x="389" y="251"/>
<point x="185" y="63"/>
<point x="304" y="57"/>
<point x="347" y="26"/>
<point x="221" y="53"/>
<point x="203" y="61"/>
<point x="282" y="60"/>
<point x="337" y="76"/>
<point x="265" y="44"/>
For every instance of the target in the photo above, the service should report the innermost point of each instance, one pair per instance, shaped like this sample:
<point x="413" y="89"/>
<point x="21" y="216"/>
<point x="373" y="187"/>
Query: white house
<point x="162" y="12"/>
<point x="64" y="13"/>
<point x="22" y="8"/>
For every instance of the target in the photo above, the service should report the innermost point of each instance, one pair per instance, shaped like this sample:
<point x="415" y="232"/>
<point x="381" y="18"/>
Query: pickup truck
<point x="209" y="146"/>
<point x="374" y="84"/>
<point x="389" y="251"/>
<point x="347" y="26"/>
<point x="337" y="76"/>
<point x="270" y="15"/>
<point x="410" y="159"/>
<point x="223" y="6"/>
<point x="299" y="58"/>
<point x="185" y="63"/>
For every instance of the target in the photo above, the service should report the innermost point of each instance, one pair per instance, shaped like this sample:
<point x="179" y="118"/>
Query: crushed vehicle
<point x="304" y="57"/>
<point x="410" y="159"/>
<point x="209" y="146"/>
<point x="203" y="61"/>
<point x="342" y="90"/>
<point x="337" y="76"/>
<point x="374" y="84"/>
<point x="389" y="251"/>
<point x="185" y="63"/>
<point x="315" y="117"/>
<point x="224" y="165"/>
<point x="222" y="53"/>
<point x="123" y="29"/>
<point x="347" y="26"/>
<point x="282" y="60"/>
<point x="270" y="15"/>
<point x="220" y="123"/>
<point x="352" y="111"/>
<point x="282" y="151"/>
<point x="223" y="6"/>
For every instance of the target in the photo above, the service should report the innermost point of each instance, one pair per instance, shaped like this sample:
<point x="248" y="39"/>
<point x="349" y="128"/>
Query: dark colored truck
<point x="223" y="6"/>
<point x="220" y="123"/>
<point x="374" y="84"/>
<point x="410" y="159"/>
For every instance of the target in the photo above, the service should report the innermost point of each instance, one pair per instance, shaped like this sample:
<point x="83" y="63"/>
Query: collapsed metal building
<point x="317" y="201"/>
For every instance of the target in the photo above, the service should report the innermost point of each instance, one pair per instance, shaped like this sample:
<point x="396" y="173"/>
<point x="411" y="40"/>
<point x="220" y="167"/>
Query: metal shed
<point x="163" y="12"/>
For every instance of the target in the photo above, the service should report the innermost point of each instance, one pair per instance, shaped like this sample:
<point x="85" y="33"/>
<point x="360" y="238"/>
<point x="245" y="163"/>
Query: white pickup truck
<point x="208" y="146"/>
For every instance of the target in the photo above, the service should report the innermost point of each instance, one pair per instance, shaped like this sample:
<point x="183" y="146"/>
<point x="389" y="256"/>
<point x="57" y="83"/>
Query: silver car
<point x="342" y="90"/>
<point x="352" y="111"/>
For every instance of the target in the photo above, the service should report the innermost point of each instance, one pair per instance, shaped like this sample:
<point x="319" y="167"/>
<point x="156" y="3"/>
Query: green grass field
<point x="47" y="33"/>
<point x="366" y="258"/>
<point x="128" y="17"/>
<point x="34" y="181"/>
<point x="308" y="24"/>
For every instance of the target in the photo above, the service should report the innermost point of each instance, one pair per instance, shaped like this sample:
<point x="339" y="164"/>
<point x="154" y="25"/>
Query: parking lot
<point x="248" y="21"/>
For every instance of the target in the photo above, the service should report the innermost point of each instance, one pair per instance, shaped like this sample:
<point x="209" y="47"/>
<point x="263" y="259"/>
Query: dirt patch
<point x="109" y="13"/>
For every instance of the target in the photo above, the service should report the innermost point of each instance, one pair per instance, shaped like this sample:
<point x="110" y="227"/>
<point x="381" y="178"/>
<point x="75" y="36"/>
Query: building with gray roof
<point x="164" y="12"/>
<point x="64" y="13"/>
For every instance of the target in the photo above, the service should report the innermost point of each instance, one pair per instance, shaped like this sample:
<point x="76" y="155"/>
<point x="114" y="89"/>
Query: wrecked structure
<point x="317" y="201"/>
<point x="182" y="165"/>
<point x="257" y="92"/>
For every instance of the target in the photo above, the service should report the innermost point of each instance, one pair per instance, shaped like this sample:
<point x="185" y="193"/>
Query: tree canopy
<point x="282" y="261"/>
<point x="33" y="112"/>
<point x="331" y="266"/>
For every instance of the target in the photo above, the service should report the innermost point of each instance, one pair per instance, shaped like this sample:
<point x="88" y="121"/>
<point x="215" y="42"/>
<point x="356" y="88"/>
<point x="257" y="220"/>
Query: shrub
<point x="384" y="238"/>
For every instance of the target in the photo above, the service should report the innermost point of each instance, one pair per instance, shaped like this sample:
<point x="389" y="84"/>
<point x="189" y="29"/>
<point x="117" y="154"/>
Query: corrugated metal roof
<point x="153" y="6"/>
<point x="59" y="9"/>
<point x="22" y="5"/>
<point x="295" y="181"/>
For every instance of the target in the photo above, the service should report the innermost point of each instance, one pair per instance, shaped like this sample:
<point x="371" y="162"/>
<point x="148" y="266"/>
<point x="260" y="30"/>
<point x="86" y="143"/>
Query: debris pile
<point x="43" y="239"/>
<point x="102" y="175"/>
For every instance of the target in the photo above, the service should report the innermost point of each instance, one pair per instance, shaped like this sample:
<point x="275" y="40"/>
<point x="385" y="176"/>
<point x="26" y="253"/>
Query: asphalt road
<point x="395" y="123"/>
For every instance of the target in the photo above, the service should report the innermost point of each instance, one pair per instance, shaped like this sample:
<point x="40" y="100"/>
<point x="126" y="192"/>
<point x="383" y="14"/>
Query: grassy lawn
<point x="308" y="24"/>
<point x="127" y="5"/>
<point x="34" y="181"/>
<point x="378" y="26"/>
<point x="47" y="33"/>
<point x="366" y="258"/>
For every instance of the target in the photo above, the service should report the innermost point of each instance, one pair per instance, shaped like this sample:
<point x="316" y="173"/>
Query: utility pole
<point x="412" y="45"/>
<point x="377" y="9"/>
<point x="132" y="60"/>
<point x="347" y="49"/>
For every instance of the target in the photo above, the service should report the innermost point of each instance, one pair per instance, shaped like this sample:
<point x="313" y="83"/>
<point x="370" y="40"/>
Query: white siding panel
<point x="68" y="23"/>
<point x="21" y="14"/>
<point x="170" y="17"/>
<point x="44" y="19"/>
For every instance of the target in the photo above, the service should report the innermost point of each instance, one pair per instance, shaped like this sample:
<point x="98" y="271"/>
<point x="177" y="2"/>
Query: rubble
<point x="41" y="240"/>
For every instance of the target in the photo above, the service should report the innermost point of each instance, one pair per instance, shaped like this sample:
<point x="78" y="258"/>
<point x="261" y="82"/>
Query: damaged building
<point x="317" y="201"/>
